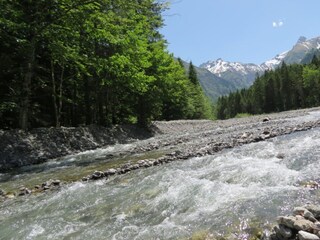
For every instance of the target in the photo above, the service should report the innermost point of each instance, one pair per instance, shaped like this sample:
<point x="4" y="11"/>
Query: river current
<point x="224" y="192"/>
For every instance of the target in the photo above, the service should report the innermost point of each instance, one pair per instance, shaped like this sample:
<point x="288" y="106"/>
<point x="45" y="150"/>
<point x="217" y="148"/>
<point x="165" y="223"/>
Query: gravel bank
<point x="187" y="138"/>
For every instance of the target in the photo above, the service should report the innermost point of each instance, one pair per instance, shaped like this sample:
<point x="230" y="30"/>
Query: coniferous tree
<point x="192" y="74"/>
<point x="288" y="87"/>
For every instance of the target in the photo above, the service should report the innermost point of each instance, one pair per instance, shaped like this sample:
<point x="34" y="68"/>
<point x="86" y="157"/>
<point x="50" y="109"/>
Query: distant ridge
<point x="242" y="75"/>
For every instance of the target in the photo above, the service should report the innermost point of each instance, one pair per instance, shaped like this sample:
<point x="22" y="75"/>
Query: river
<point x="226" y="192"/>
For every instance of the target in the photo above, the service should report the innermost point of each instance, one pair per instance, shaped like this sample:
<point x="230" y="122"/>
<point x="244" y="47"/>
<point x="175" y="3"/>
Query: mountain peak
<point x="301" y="39"/>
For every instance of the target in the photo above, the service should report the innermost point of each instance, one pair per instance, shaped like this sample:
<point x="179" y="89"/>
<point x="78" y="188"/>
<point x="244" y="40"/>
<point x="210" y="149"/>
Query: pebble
<point x="110" y="172"/>
<point x="24" y="191"/>
<point x="266" y="119"/>
<point x="97" y="175"/>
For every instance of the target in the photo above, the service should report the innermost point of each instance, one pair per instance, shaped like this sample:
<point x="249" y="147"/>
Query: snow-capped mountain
<point x="302" y="48"/>
<point x="244" y="74"/>
<point x="220" y="66"/>
<point x="274" y="62"/>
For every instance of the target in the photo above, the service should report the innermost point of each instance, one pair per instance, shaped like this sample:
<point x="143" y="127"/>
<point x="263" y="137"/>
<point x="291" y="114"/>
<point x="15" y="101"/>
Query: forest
<point x="285" y="88"/>
<point x="82" y="62"/>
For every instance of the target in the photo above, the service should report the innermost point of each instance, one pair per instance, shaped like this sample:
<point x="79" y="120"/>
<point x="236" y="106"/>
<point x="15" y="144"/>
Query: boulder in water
<point x="283" y="231"/>
<point x="97" y="175"/>
<point x="297" y="223"/>
<point x="110" y="172"/>
<point x="305" y="213"/>
<point x="307" y="236"/>
<point x="315" y="210"/>
<point x="24" y="191"/>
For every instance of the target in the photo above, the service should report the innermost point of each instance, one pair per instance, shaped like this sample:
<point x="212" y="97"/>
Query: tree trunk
<point x="57" y="101"/>
<point x="26" y="87"/>
<point x="87" y="101"/>
<point x="142" y="115"/>
<point x="60" y="96"/>
<point x="54" y="96"/>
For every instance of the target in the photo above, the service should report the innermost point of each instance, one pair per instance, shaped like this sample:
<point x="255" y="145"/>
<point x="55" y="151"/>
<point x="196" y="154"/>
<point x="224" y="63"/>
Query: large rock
<point x="297" y="223"/>
<point x="315" y="210"/>
<point x="283" y="231"/>
<point x="305" y="213"/>
<point x="307" y="236"/>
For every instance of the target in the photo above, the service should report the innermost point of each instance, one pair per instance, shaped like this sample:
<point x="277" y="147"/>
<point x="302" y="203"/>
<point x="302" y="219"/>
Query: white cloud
<point x="277" y="24"/>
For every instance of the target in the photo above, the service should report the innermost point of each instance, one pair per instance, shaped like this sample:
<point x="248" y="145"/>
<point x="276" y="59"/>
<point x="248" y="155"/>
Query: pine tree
<point x="193" y="74"/>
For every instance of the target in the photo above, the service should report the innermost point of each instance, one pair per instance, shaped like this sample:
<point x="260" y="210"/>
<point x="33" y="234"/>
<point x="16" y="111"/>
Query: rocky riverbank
<point x="304" y="224"/>
<point x="19" y="148"/>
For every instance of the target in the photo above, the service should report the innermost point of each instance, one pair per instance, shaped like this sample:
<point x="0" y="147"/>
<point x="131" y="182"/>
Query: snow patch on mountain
<point x="274" y="62"/>
<point x="220" y="66"/>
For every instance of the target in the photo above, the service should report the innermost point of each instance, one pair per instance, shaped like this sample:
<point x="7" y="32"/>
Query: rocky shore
<point x="198" y="137"/>
<point x="19" y="148"/>
<point x="304" y="224"/>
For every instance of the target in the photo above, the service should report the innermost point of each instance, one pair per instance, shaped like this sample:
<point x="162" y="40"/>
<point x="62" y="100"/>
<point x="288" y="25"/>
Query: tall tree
<point x="193" y="74"/>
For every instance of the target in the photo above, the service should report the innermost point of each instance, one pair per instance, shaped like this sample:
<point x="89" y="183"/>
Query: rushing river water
<point x="220" y="193"/>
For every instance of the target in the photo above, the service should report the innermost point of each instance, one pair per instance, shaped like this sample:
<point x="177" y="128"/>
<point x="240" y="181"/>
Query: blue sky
<point x="249" y="31"/>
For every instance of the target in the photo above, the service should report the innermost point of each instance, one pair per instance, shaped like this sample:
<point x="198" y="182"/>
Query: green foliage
<point x="243" y="115"/>
<point x="90" y="62"/>
<point x="288" y="87"/>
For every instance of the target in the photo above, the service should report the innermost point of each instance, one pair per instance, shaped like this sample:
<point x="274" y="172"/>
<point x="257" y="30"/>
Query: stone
<point x="307" y="236"/>
<point x="266" y="132"/>
<point x="110" y="172"/>
<point x="135" y="166"/>
<point x="299" y="211"/>
<point x="286" y="221"/>
<point x="280" y="156"/>
<point x="315" y="210"/>
<point x="305" y="213"/>
<point x="97" y="175"/>
<point x="308" y="215"/>
<point x="283" y="231"/>
<point x="266" y="119"/>
<point x="273" y="236"/>
<point x="297" y="223"/>
<point x="303" y="224"/>
<point x="2" y="193"/>
<point x="141" y="163"/>
<point x="10" y="195"/>
<point x="24" y="191"/>
<point x="85" y="179"/>
<point x="312" y="185"/>
<point x="56" y="182"/>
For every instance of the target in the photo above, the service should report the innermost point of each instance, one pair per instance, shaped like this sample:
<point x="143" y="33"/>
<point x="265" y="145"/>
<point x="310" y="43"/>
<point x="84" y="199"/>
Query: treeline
<point x="288" y="87"/>
<point x="77" y="62"/>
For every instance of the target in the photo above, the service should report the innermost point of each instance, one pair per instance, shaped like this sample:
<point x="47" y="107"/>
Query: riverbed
<point x="229" y="191"/>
